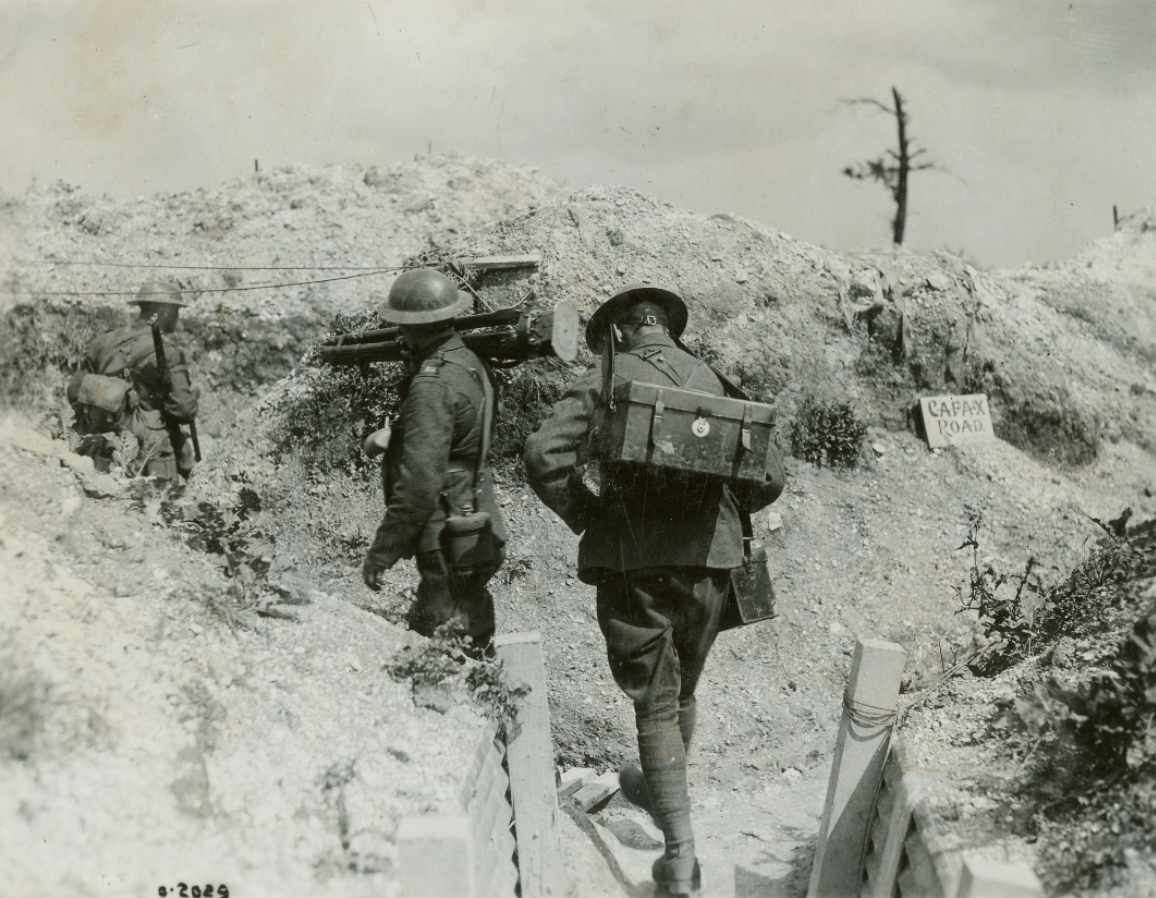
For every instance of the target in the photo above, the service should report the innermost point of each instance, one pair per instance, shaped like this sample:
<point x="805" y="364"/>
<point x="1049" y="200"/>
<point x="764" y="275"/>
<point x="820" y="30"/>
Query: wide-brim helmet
<point x="422" y="296"/>
<point x="611" y="310"/>
<point x="161" y="293"/>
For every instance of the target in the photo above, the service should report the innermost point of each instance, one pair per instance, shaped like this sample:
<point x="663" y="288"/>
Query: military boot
<point x="632" y="781"/>
<point x="678" y="872"/>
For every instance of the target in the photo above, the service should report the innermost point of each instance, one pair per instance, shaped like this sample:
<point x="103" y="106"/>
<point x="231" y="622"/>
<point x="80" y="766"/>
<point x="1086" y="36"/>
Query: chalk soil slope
<point x="155" y="733"/>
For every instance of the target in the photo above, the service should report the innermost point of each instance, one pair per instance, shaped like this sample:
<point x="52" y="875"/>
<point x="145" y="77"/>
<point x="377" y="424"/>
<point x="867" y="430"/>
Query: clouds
<point x="731" y="105"/>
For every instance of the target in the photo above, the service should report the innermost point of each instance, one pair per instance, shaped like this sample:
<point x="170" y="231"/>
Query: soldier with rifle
<point x="130" y="386"/>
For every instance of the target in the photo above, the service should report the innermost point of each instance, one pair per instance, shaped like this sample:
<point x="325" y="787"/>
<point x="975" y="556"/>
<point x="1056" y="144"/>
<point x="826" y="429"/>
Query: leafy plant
<point x="247" y="550"/>
<point x="1005" y="605"/>
<point x="827" y="433"/>
<point x="449" y="662"/>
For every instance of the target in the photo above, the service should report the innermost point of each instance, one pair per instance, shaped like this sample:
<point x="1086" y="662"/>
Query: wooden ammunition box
<point x="685" y="433"/>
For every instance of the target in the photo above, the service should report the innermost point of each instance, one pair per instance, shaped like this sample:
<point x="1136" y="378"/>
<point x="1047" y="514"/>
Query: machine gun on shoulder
<point x="504" y="337"/>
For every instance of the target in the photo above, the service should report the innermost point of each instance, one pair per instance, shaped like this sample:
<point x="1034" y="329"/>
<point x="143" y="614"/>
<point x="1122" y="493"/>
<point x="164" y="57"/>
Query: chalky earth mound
<point x="229" y="620"/>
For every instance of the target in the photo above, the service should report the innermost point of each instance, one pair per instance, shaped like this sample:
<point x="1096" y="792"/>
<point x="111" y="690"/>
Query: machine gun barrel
<point x="507" y="335"/>
<point x="497" y="318"/>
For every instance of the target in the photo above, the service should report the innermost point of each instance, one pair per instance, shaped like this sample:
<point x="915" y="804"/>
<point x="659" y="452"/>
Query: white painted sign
<point x="950" y="420"/>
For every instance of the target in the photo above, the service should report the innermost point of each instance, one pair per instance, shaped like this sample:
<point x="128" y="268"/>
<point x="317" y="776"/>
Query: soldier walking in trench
<point x="659" y="559"/>
<point x="438" y="490"/>
<point x="124" y="390"/>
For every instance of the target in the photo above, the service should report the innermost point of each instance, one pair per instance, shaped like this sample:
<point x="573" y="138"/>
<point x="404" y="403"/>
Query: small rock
<point x="938" y="281"/>
<point x="879" y="449"/>
<point x="774" y="521"/>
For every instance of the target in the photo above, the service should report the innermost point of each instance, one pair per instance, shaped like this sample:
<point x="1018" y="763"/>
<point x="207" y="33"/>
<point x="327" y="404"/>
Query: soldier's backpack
<point x="672" y="436"/>
<point x="102" y="402"/>
<point x="679" y="435"/>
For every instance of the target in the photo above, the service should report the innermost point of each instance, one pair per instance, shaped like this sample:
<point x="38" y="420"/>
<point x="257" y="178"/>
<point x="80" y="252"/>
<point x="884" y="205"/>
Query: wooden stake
<point x="860" y="752"/>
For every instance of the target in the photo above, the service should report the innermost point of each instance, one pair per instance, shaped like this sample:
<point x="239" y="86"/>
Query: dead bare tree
<point x="893" y="169"/>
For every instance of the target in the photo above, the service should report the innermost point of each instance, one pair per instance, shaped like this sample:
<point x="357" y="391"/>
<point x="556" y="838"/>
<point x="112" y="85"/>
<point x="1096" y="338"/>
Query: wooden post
<point x="530" y="756"/>
<point x="860" y="752"/>
<point x="989" y="879"/>
<point x="1115" y="219"/>
<point x="435" y="857"/>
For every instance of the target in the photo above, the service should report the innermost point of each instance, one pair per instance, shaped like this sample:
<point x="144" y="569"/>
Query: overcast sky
<point x="1040" y="113"/>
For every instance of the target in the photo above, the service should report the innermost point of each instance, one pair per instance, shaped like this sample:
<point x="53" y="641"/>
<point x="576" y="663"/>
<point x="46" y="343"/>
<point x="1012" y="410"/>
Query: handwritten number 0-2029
<point x="186" y="891"/>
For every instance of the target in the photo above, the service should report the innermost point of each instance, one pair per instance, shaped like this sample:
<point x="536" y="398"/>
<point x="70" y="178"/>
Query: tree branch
<point x="869" y="101"/>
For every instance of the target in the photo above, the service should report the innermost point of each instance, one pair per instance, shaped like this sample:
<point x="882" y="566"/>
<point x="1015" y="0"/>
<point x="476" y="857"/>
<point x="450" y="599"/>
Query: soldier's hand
<point x="377" y="442"/>
<point x="372" y="572"/>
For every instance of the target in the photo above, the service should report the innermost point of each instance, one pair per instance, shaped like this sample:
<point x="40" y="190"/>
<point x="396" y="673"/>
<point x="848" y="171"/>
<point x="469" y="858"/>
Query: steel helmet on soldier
<point x="422" y="296"/>
<point x="159" y="293"/>
<point x="615" y="308"/>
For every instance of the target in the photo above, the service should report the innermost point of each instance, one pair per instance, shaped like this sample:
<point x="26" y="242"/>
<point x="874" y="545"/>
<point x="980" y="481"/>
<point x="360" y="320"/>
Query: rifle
<point x="506" y="337"/>
<point x="167" y="383"/>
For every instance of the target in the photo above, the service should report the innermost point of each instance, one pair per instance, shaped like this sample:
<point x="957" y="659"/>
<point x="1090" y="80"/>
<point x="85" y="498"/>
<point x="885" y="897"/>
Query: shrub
<point x="1018" y="616"/>
<point x="1094" y="742"/>
<point x="827" y="433"/>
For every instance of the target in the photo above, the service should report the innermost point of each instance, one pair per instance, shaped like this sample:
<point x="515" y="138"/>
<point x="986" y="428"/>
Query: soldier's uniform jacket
<point x="429" y="467"/>
<point x="630" y="527"/>
<point x="128" y="352"/>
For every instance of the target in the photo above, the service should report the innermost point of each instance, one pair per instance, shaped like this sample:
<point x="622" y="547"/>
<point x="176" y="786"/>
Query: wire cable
<point x="867" y="715"/>
<point x="374" y="268"/>
<point x="346" y="277"/>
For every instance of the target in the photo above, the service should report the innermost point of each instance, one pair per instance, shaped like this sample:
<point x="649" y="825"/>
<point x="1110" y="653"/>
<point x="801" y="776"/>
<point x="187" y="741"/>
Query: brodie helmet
<point x="422" y="296"/>
<point x="614" y="309"/>
<point x="159" y="293"/>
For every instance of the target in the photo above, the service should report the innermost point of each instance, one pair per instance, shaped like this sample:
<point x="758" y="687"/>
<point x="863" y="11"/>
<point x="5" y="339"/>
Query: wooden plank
<point x="860" y="754"/>
<point x="530" y="757"/>
<point x="435" y="857"/>
<point x="573" y="780"/>
<point x="597" y="790"/>
<point x="491" y="263"/>
<point x="899" y="825"/>
<point x="989" y="879"/>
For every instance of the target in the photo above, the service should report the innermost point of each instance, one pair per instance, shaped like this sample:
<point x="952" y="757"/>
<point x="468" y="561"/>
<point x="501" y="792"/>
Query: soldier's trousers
<point x="460" y="605"/>
<point x="660" y="624"/>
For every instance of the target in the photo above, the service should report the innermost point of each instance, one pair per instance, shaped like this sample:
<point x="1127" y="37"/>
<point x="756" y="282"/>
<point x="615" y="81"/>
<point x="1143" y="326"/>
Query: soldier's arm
<point x="753" y="498"/>
<point x="181" y="403"/>
<point x="551" y="453"/>
<point x="427" y="424"/>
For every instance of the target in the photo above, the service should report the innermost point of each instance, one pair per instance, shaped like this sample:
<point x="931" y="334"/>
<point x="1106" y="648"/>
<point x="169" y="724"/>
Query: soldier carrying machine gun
<point x="439" y="496"/>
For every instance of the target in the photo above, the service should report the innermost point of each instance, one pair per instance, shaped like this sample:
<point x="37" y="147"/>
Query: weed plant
<point x="449" y="661"/>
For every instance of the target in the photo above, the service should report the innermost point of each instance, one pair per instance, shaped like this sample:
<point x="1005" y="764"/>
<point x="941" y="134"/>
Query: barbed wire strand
<point x="346" y="277"/>
<point x="209" y="267"/>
